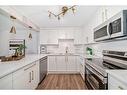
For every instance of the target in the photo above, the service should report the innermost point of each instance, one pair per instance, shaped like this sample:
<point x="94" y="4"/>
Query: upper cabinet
<point x="10" y="11"/>
<point x="78" y="36"/>
<point x="51" y="36"/>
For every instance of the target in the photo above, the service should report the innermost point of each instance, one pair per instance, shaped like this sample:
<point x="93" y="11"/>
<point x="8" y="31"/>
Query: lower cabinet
<point x="27" y="77"/>
<point x="62" y="63"/>
<point x="71" y="64"/>
<point x="52" y="63"/>
<point x="115" y="84"/>
<point x="82" y="66"/>
<point x="6" y="82"/>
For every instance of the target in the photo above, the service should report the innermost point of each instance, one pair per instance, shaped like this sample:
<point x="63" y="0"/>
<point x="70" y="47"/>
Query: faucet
<point x="66" y="49"/>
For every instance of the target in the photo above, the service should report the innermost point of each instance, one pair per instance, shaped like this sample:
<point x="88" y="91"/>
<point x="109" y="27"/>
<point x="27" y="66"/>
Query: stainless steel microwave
<point x="114" y="27"/>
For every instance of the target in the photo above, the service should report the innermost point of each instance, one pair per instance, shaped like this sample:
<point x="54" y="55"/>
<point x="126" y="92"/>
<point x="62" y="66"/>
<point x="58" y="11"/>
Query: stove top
<point x="110" y="60"/>
<point x="97" y="64"/>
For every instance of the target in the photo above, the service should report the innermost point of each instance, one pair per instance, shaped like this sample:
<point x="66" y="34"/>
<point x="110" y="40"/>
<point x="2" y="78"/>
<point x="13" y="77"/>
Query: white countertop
<point x="121" y="75"/>
<point x="12" y="66"/>
<point x="74" y="54"/>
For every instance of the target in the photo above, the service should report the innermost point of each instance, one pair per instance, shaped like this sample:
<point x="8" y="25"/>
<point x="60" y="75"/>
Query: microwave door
<point x="118" y="25"/>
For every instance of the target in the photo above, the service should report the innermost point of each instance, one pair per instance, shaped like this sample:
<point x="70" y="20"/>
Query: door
<point x="71" y="64"/>
<point x="61" y="64"/>
<point x="34" y="75"/>
<point x="22" y="79"/>
<point x="52" y="63"/>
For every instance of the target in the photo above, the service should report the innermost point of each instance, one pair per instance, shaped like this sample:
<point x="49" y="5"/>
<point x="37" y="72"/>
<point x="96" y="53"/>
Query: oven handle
<point x="104" y="80"/>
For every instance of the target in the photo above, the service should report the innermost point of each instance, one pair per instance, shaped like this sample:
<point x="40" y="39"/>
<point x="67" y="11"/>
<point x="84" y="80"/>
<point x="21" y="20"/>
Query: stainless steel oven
<point x="94" y="80"/>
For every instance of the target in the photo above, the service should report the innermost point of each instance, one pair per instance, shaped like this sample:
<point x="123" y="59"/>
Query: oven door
<point x="94" y="80"/>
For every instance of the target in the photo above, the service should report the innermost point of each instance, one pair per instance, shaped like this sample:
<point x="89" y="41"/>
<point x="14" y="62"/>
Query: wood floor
<point x="62" y="82"/>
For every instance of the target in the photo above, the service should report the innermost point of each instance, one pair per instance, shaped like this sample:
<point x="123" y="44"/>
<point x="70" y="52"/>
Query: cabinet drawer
<point x="19" y="72"/>
<point x="113" y="83"/>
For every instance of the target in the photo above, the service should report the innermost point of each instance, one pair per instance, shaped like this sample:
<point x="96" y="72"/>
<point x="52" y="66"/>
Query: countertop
<point x="74" y="54"/>
<point x="11" y="66"/>
<point x="120" y="75"/>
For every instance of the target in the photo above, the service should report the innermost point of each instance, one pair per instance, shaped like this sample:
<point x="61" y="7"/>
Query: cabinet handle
<point x="120" y="87"/>
<point x="32" y="75"/>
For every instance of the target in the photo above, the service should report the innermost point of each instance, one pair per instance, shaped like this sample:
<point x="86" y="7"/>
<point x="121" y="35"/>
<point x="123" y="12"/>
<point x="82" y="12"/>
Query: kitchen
<point x="63" y="47"/>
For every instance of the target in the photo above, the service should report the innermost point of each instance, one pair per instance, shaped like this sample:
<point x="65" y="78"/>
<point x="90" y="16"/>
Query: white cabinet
<point x="78" y="36"/>
<point x="71" y="64"/>
<point x="82" y="66"/>
<point x="51" y="36"/>
<point x="22" y="79"/>
<point x="69" y="34"/>
<point x="115" y="84"/>
<point x="52" y="63"/>
<point x="6" y="82"/>
<point x="35" y="74"/>
<point x="27" y="77"/>
<point x="61" y="64"/>
<point x="48" y="37"/>
<point x="66" y="34"/>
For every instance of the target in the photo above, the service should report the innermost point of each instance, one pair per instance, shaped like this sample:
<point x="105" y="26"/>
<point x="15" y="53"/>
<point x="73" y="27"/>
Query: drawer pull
<point x="120" y="87"/>
<point x="30" y="77"/>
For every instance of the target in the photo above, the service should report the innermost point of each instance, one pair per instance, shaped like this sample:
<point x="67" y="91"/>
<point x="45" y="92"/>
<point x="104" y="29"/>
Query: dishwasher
<point x="43" y="68"/>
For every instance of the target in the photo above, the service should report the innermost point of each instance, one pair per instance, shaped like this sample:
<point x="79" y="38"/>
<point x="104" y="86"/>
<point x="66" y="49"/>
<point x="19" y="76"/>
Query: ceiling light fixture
<point x="30" y="35"/>
<point x="13" y="29"/>
<point x="64" y="10"/>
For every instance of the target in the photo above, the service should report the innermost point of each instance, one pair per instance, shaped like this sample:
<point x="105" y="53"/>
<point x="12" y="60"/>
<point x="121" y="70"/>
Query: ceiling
<point x="39" y="15"/>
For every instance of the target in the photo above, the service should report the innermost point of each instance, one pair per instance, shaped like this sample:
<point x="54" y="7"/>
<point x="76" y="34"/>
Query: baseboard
<point x="62" y="72"/>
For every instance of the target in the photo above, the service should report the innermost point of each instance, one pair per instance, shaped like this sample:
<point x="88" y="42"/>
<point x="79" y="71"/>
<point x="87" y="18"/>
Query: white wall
<point x="97" y="19"/>
<point x="22" y="33"/>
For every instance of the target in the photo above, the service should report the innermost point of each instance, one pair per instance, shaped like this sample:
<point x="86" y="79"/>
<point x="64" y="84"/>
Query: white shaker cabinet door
<point x="34" y="75"/>
<point x="52" y="63"/>
<point x="71" y="64"/>
<point x="6" y="82"/>
<point x="61" y="64"/>
<point x="115" y="84"/>
<point x="22" y="79"/>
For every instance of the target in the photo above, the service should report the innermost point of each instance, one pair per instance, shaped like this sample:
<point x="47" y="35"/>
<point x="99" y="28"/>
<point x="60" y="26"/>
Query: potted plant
<point x="19" y="50"/>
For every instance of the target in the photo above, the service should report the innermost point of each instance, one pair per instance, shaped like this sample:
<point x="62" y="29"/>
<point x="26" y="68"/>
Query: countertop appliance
<point x="43" y="49"/>
<point x="43" y="68"/>
<point x="95" y="69"/>
<point x="114" y="27"/>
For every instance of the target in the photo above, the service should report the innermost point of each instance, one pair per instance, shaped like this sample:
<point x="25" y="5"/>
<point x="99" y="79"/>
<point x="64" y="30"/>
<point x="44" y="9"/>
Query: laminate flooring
<point x="62" y="82"/>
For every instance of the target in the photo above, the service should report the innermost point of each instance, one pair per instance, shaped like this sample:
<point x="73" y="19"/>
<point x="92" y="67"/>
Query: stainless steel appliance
<point x="114" y="27"/>
<point x="43" y="68"/>
<point x="43" y="49"/>
<point x="96" y="76"/>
